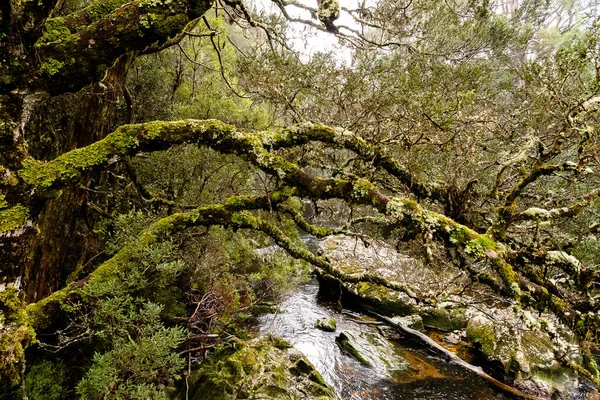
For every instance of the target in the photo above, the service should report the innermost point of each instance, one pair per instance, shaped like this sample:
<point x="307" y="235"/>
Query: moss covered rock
<point x="326" y="324"/>
<point x="261" y="369"/>
<point x="527" y="348"/>
<point x="426" y="288"/>
<point x="372" y="350"/>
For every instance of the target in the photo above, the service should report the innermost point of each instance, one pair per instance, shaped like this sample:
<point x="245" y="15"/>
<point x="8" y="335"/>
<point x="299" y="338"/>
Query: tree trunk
<point x="46" y="263"/>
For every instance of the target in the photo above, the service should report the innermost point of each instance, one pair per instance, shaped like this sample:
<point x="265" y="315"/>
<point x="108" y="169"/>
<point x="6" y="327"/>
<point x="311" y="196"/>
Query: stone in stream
<point x="326" y="324"/>
<point x="372" y="350"/>
<point x="354" y="257"/>
<point x="536" y="353"/>
<point x="269" y="368"/>
<point x="412" y="321"/>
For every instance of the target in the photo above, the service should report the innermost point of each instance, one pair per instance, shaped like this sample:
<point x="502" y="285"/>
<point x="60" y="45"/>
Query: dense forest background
<point x="149" y="148"/>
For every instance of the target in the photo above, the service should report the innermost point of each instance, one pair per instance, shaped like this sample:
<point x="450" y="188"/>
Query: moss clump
<point x="399" y="208"/>
<point x="50" y="67"/>
<point x="46" y="381"/>
<point x="11" y="217"/>
<point x="15" y="334"/>
<point x="483" y="335"/>
<point x="460" y="235"/>
<point x="258" y="369"/>
<point x="326" y="324"/>
<point x="480" y="246"/>
<point x="13" y="341"/>
<point x="279" y="343"/>
<point x="55" y="29"/>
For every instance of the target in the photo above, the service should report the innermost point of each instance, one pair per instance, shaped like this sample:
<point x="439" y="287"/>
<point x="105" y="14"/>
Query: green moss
<point x="362" y="189"/>
<point x="238" y="202"/>
<point x="487" y="242"/>
<point x="100" y="8"/>
<point x="399" y="207"/>
<point x="70" y="165"/>
<point x="326" y="324"/>
<point x="508" y="276"/>
<point x="278" y="342"/>
<point x="15" y="334"/>
<point x="589" y="363"/>
<point x="10" y="304"/>
<point x="460" y="235"/>
<point x="55" y="29"/>
<point x="13" y="341"/>
<point x="381" y="299"/>
<point x="50" y="67"/>
<point x="46" y="381"/>
<point x="344" y="341"/>
<point x="483" y="335"/>
<point x="13" y="217"/>
<point x="479" y="246"/>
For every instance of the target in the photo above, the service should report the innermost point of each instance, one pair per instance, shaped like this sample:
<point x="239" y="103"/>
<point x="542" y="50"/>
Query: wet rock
<point x="444" y="317"/>
<point x="351" y="256"/>
<point x="260" y="369"/>
<point x="523" y="347"/>
<point x="412" y="321"/>
<point x="372" y="350"/>
<point x="534" y="351"/>
<point x="452" y="338"/>
<point x="326" y="324"/>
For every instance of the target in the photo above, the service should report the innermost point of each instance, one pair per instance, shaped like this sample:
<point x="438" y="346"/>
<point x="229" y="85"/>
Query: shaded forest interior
<point x="165" y="165"/>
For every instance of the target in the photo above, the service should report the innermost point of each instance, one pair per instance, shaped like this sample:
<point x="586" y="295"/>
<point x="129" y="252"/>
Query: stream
<point x="428" y="376"/>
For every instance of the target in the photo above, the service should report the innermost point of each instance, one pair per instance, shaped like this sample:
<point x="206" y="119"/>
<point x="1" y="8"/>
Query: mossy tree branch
<point x="507" y="213"/>
<point x="340" y="138"/>
<point x="74" y="51"/>
<point x="317" y="231"/>
<point x="540" y="214"/>
<point x="130" y="139"/>
<point x="234" y="212"/>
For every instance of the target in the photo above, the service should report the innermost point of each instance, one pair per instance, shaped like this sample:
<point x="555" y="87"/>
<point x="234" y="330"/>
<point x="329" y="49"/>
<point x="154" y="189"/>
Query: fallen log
<point x="456" y="359"/>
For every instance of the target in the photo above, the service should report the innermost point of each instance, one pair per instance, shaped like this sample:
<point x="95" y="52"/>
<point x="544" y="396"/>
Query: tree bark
<point x="57" y="225"/>
<point x="42" y="55"/>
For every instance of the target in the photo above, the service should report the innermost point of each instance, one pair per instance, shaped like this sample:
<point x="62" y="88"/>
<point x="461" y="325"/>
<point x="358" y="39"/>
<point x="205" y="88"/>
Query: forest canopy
<point x="149" y="148"/>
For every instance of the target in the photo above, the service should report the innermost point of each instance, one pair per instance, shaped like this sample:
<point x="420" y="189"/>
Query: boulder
<point x="412" y="321"/>
<point x="526" y="348"/>
<point x="352" y="256"/>
<point x="269" y="368"/>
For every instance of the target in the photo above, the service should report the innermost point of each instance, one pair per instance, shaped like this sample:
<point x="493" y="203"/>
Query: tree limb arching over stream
<point x="505" y="216"/>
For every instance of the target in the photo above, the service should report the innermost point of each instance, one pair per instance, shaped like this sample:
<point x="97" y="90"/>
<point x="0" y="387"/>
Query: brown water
<point x="428" y="376"/>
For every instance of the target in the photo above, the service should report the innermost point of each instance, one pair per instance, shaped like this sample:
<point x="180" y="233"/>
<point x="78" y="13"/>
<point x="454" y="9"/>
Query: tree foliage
<point x="150" y="147"/>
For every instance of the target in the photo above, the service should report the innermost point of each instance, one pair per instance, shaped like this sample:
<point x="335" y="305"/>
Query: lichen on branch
<point x="254" y="147"/>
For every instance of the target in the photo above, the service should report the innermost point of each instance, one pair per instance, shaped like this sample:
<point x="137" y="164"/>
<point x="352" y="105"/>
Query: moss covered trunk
<point x="47" y="53"/>
<point x="58" y="244"/>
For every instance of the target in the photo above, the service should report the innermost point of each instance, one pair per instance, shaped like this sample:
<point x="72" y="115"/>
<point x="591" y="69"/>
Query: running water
<point x="428" y="376"/>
